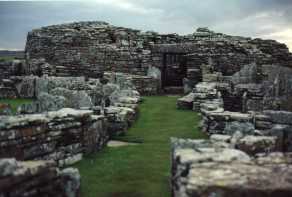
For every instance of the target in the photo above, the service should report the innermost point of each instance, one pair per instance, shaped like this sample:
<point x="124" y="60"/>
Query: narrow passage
<point x="142" y="170"/>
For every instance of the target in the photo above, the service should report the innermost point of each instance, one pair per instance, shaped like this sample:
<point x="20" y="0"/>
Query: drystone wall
<point x="37" y="178"/>
<point x="253" y="88"/>
<point x="88" y="48"/>
<point x="12" y="68"/>
<point x="269" y="123"/>
<point x="248" y="132"/>
<point x="63" y="136"/>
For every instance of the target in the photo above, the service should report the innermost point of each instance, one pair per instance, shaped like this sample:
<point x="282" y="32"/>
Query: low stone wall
<point x="203" y="168"/>
<point x="267" y="123"/>
<point x="62" y="135"/>
<point x="121" y="118"/>
<point x="32" y="86"/>
<point x="37" y="178"/>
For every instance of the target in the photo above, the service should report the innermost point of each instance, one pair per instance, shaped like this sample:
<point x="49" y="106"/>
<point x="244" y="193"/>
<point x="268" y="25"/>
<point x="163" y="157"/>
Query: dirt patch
<point x="114" y="143"/>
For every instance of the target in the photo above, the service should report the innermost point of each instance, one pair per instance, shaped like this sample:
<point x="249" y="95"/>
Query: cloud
<point x="284" y="36"/>
<point x="10" y="49"/>
<point x="253" y="18"/>
<point x="126" y="5"/>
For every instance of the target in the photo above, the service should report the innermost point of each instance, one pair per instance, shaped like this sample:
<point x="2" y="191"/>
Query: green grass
<point x="14" y="103"/>
<point x="6" y="58"/>
<point x="143" y="170"/>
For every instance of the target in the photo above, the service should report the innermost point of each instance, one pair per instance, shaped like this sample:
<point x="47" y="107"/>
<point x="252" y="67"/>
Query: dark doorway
<point x="174" y="69"/>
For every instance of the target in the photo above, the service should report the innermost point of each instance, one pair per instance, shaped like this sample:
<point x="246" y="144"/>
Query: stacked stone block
<point x="63" y="136"/>
<point x="204" y="168"/>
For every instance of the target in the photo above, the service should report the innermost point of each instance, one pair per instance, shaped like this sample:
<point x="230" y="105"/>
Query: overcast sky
<point x="269" y="19"/>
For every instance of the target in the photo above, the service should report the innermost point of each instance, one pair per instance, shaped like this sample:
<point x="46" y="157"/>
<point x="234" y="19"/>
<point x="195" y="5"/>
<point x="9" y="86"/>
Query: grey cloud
<point x="166" y="16"/>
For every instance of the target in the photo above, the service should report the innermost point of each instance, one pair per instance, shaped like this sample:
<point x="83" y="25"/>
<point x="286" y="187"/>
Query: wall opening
<point x="174" y="69"/>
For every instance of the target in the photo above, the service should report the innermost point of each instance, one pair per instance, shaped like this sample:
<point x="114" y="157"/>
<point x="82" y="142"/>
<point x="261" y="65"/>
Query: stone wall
<point x="88" y="48"/>
<point x="115" y="95"/>
<point x="253" y="88"/>
<point x="37" y="178"/>
<point x="276" y="124"/>
<point x="63" y="136"/>
<point x="206" y="168"/>
<point x="145" y="85"/>
<point x="33" y="86"/>
<point x="245" y="139"/>
<point x="80" y="48"/>
<point x="12" y="68"/>
<point x="240" y="104"/>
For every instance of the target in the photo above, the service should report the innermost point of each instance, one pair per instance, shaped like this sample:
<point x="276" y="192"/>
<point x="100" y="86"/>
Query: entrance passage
<point x="142" y="170"/>
<point x="174" y="69"/>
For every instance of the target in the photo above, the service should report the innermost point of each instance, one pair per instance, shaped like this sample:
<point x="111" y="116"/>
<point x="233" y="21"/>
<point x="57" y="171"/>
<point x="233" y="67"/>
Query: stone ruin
<point x="86" y="80"/>
<point x="213" y="168"/>
<point x="168" y="63"/>
<point x="89" y="48"/>
<point x="246" y="115"/>
<point x="37" y="178"/>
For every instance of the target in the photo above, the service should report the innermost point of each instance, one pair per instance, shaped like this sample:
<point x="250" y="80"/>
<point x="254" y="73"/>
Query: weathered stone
<point x="246" y="75"/>
<point x="220" y="138"/>
<point x="236" y="179"/>
<point x="71" y="182"/>
<point x="280" y="117"/>
<point x="57" y="135"/>
<point x="186" y="102"/>
<point x="201" y="171"/>
<point x="245" y="128"/>
<point x="109" y="88"/>
<point x="74" y="99"/>
<point x="257" y="144"/>
<point x="38" y="178"/>
<point x="7" y="167"/>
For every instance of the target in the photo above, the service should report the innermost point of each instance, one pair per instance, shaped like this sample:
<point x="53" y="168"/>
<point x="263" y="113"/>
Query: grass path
<point x="143" y="170"/>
